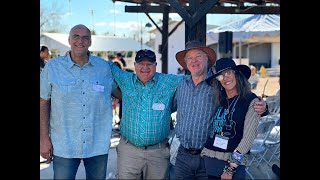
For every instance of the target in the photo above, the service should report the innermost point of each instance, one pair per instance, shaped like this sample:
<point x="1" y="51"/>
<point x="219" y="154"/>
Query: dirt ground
<point x="271" y="86"/>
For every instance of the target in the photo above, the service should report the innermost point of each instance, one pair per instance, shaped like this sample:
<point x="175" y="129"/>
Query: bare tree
<point x="50" y="18"/>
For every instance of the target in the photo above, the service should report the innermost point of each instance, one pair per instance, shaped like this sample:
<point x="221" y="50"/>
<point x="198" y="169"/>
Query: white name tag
<point x="220" y="142"/>
<point x="98" y="88"/>
<point x="158" y="106"/>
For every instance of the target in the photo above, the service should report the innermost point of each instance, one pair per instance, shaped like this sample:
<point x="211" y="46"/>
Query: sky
<point x="108" y="18"/>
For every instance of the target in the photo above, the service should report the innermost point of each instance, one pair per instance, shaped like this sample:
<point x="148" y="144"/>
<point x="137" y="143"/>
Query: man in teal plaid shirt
<point x="145" y="125"/>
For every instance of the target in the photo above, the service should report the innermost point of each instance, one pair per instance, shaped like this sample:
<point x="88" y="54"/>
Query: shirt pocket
<point x="66" y="86"/>
<point x="97" y="88"/>
<point x="131" y="97"/>
<point x="163" y="97"/>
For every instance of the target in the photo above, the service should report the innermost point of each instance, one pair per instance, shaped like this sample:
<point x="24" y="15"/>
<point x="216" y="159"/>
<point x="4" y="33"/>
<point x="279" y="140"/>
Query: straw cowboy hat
<point x="195" y="44"/>
<point x="223" y="64"/>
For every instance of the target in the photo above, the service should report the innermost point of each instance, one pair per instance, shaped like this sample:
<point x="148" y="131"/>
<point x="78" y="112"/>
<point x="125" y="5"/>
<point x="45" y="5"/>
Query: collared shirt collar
<point x="209" y="74"/>
<point x="91" y="61"/>
<point x="152" y="80"/>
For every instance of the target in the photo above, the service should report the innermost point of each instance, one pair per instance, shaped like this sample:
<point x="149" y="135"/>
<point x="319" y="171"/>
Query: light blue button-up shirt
<point x="146" y="108"/>
<point x="81" y="110"/>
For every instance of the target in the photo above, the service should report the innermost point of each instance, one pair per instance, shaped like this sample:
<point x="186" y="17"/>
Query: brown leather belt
<point x="193" y="151"/>
<point x="162" y="144"/>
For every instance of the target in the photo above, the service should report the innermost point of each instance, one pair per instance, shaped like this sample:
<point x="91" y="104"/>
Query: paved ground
<point x="262" y="172"/>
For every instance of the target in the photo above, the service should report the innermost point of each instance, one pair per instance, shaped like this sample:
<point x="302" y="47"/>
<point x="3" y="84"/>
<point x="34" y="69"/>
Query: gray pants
<point x="151" y="162"/>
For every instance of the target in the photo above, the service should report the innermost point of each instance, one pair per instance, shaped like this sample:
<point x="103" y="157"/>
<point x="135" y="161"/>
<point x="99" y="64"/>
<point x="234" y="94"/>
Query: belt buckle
<point x="194" y="151"/>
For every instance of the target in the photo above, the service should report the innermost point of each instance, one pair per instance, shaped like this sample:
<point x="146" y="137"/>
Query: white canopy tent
<point x="254" y="29"/>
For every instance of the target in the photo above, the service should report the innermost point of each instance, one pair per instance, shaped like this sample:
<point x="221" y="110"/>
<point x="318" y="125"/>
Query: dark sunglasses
<point x="145" y="53"/>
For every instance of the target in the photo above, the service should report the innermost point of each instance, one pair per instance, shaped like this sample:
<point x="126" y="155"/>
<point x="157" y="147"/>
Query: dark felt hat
<point x="195" y="44"/>
<point x="223" y="64"/>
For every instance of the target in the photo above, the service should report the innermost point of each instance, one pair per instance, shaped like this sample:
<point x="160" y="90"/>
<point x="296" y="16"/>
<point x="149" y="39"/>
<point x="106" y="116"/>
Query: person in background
<point x="254" y="78"/>
<point x="181" y="71"/>
<point x="235" y="122"/>
<point x="44" y="55"/>
<point x="194" y="102"/>
<point x="115" y="101"/>
<point x="110" y="57"/>
<point x="120" y="58"/>
<point x="76" y="90"/>
<point x="147" y="97"/>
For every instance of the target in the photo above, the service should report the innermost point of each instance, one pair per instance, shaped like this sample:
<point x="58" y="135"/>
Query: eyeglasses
<point x="148" y="65"/>
<point x="226" y="73"/>
<point x="145" y="53"/>
<point x="83" y="38"/>
<point x="197" y="57"/>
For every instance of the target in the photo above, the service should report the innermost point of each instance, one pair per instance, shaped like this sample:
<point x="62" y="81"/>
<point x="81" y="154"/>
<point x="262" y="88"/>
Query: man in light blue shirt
<point x="145" y="125"/>
<point x="75" y="109"/>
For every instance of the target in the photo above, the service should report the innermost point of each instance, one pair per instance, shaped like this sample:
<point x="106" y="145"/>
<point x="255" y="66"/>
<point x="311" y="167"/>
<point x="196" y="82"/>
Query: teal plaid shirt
<point x="146" y="109"/>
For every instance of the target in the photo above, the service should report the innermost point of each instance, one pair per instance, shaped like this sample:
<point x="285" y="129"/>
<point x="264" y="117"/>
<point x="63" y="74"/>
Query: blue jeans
<point x="189" y="166"/>
<point x="66" y="168"/>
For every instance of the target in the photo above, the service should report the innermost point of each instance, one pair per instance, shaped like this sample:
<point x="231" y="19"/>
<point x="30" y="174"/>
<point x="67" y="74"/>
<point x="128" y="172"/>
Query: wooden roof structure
<point x="194" y="12"/>
<point x="221" y="6"/>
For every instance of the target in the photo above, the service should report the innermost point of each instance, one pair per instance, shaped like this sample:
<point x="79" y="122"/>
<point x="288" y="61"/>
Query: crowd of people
<point x="217" y="114"/>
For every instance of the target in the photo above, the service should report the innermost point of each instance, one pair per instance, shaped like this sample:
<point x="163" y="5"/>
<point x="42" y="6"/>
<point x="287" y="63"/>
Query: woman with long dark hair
<point x="234" y="124"/>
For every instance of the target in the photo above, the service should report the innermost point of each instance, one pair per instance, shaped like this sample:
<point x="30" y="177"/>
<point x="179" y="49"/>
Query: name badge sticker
<point x="98" y="88"/>
<point x="158" y="106"/>
<point x="220" y="141"/>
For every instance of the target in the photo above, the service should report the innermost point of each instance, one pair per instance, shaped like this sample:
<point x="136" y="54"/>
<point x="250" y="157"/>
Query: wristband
<point x="237" y="156"/>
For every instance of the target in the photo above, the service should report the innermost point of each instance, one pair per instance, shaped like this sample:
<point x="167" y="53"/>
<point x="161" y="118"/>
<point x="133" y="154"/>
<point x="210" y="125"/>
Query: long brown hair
<point x="243" y="87"/>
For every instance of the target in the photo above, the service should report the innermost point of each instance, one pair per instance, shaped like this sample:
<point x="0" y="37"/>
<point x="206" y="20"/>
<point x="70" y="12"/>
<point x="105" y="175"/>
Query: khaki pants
<point x="152" y="163"/>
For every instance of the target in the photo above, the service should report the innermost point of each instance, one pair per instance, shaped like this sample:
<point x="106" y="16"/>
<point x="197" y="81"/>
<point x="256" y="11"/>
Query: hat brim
<point x="209" y="80"/>
<point x="145" y="58"/>
<point x="210" y="52"/>
<point x="245" y="70"/>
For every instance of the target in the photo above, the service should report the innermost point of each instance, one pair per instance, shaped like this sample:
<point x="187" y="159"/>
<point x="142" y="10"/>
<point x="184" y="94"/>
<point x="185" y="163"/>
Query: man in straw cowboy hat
<point x="195" y="104"/>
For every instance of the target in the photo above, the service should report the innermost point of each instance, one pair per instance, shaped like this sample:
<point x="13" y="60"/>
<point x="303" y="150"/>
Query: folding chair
<point x="258" y="147"/>
<point x="273" y="104"/>
<point x="273" y="107"/>
<point x="273" y="143"/>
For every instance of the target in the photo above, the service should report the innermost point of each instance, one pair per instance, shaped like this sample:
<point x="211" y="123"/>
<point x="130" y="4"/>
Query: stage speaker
<point x="225" y="42"/>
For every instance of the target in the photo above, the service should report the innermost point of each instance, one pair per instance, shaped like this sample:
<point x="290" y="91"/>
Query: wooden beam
<point x="214" y="10"/>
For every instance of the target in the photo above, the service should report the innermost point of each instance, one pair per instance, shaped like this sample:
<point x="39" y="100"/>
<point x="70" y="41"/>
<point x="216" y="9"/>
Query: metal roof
<point x="224" y="6"/>
<point x="103" y="43"/>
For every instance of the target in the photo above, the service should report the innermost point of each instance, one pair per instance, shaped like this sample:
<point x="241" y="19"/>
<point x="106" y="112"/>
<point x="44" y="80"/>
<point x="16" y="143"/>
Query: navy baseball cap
<point x="145" y="54"/>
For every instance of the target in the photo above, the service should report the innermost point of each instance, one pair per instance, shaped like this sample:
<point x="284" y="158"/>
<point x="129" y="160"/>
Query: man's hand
<point x="260" y="106"/>
<point x="226" y="176"/>
<point x="46" y="149"/>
